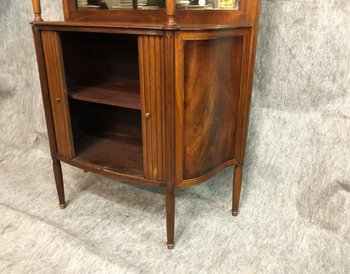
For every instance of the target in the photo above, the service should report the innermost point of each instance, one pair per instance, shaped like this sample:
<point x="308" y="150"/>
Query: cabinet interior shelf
<point x="118" y="93"/>
<point x="121" y="154"/>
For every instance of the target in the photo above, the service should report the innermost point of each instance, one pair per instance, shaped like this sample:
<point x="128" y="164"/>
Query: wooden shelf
<point x="121" y="154"/>
<point x="117" y="93"/>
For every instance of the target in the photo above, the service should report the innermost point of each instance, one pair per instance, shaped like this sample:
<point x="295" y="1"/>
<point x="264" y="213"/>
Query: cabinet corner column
<point x="170" y="12"/>
<point x="169" y="133"/>
<point x="57" y="170"/>
<point x="37" y="10"/>
<point x="236" y="188"/>
<point x="48" y="116"/>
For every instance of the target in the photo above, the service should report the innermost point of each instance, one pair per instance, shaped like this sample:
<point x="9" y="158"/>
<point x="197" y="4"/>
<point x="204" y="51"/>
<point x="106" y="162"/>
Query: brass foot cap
<point x="63" y="206"/>
<point x="234" y="213"/>
<point x="170" y="246"/>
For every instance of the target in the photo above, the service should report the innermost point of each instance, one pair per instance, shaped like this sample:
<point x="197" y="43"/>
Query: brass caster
<point x="63" y="206"/>
<point x="170" y="246"/>
<point x="234" y="213"/>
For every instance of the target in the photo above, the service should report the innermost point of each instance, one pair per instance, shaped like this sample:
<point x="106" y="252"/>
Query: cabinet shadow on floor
<point x="213" y="195"/>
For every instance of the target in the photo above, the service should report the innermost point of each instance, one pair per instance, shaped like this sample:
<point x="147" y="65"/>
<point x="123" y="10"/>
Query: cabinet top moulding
<point x="120" y="28"/>
<point x="126" y="27"/>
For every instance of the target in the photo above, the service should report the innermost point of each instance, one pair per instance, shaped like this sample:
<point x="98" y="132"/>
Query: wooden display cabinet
<point x="150" y="91"/>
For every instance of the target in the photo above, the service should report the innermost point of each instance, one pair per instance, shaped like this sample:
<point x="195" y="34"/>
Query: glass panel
<point x="121" y="4"/>
<point x="207" y="4"/>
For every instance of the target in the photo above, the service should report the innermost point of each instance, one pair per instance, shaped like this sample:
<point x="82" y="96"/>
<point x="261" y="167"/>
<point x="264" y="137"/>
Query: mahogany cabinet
<point x="150" y="91"/>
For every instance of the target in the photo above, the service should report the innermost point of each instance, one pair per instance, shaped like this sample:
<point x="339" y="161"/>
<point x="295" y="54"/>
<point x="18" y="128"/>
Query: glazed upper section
<point x="156" y="4"/>
<point x="169" y="14"/>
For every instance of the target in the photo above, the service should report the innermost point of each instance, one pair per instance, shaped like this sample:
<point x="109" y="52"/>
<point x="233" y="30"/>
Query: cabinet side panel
<point x="212" y="83"/>
<point x="152" y="98"/>
<point x="58" y="96"/>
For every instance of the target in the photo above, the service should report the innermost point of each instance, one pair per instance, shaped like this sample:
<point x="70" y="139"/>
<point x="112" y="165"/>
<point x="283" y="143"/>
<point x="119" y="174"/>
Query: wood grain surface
<point x="211" y="94"/>
<point x="210" y="88"/>
<point x="58" y="94"/>
<point x="152" y="98"/>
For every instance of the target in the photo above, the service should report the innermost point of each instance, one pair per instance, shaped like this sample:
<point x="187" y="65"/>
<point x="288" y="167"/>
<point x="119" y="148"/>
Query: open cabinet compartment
<point x="102" y="68"/>
<point x="102" y="76"/>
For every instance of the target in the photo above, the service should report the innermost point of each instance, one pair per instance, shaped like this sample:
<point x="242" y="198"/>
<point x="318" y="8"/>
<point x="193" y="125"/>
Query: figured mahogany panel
<point x="58" y="95"/>
<point x="152" y="98"/>
<point x="209" y="91"/>
<point x="212" y="84"/>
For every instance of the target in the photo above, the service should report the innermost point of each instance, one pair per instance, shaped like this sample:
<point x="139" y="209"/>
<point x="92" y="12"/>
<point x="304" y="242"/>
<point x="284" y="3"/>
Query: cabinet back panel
<point x="99" y="57"/>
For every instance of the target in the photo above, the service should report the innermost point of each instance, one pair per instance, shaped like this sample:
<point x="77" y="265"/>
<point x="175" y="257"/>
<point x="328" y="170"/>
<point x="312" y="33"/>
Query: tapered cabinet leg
<point x="236" y="189"/>
<point x="57" y="170"/>
<point x="170" y="218"/>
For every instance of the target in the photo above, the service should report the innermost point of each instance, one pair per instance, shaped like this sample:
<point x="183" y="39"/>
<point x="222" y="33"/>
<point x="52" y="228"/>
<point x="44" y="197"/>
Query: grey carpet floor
<point x="295" y="206"/>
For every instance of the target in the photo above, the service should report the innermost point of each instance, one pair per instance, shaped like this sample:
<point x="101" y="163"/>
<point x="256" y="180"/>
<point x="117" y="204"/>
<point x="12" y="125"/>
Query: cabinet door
<point x="152" y="105"/>
<point x="58" y="93"/>
<point x="211" y="96"/>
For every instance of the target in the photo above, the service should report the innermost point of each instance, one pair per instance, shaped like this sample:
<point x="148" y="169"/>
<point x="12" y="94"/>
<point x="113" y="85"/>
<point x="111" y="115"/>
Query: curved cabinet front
<point x="210" y="86"/>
